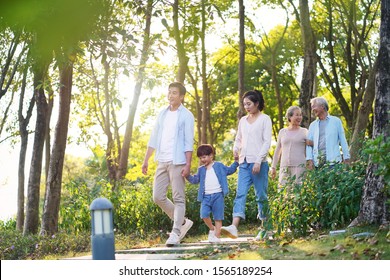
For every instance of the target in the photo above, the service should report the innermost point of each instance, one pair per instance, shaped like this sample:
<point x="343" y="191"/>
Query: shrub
<point x="328" y="198"/>
<point x="15" y="246"/>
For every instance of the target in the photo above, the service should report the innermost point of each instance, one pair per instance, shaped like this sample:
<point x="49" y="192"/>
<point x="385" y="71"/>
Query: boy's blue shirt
<point x="221" y="170"/>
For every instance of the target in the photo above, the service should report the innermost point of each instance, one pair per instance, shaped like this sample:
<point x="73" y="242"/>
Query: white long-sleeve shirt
<point x="253" y="140"/>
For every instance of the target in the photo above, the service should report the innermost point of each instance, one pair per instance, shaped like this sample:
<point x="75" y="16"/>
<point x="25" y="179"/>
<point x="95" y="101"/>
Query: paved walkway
<point x="161" y="252"/>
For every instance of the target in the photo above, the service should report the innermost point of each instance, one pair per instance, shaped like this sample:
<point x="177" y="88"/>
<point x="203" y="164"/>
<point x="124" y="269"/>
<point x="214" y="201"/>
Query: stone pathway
<point x="184" y="250"/>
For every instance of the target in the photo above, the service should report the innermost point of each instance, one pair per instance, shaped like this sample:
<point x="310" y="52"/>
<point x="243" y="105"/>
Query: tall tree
<point x="205" y="126"/>
<point x="123" y="157"/>
<point x="54" y="179"/>
<point x="365" y="110"/>
<point x="374" y="207"/>
<point x="38" y="19"/>
<point x="308" y="82"/>
<point x="31" y="221"/>
<point x="181" y="50"/>
<point x="23" y="124"/>
<point x="345" y="55"/>
<point x="241" y="64"/>
<point x="84" y="17"/>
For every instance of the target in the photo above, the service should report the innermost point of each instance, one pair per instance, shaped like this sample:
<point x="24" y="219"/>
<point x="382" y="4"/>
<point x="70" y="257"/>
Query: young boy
<point x="212" y="176"/>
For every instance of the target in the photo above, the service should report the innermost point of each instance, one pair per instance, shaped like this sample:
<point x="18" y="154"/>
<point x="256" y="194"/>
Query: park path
<point x="182" y="251"/>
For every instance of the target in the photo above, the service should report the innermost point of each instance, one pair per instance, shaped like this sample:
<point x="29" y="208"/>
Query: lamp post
<point x="103" y="245"/>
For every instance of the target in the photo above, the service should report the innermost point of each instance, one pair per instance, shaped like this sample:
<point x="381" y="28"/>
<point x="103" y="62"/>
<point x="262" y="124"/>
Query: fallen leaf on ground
<point x="339" y="247"/>
<point x="373" y="241"/>
<point x="232" y="256"/>
<point x="355" y="256"/>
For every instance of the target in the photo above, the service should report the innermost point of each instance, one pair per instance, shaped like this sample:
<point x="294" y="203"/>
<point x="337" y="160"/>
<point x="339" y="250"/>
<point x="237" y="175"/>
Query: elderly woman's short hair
<point x="290" y="112"/>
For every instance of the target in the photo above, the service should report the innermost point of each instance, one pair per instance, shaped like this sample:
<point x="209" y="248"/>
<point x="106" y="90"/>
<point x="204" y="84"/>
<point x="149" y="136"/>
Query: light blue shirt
<point x="334" y="138"/>
<point x="184" y="134"/>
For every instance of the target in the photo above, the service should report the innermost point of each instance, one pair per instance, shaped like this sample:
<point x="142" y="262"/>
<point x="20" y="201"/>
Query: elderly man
<point x="326" y="135"/>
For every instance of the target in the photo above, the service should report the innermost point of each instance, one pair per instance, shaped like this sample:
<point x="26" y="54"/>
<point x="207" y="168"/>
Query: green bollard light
<point x="102" y="238"/>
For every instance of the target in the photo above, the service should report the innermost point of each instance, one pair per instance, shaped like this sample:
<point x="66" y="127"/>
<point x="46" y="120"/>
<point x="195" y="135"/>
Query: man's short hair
<point x="320" y="101"/>
<point x="180" y="86"/>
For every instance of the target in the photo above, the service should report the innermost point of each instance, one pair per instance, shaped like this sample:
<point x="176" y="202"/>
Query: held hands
<point x="185" y="171"/>
<point x="235" y="154"/>
<point x="309" y="142"/>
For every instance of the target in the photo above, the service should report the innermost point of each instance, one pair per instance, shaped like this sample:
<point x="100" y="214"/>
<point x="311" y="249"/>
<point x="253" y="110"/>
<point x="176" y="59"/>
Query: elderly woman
<point x="290" y="149"/>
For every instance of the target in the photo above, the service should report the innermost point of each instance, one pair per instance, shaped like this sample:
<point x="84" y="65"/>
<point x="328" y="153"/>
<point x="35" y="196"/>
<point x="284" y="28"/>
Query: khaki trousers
<point x="170" y="174"/>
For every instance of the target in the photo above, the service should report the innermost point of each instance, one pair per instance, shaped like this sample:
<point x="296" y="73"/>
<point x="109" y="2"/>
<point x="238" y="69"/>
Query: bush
<point x="328" y="198"/>
<point x="15" y="246"/>
<point x="134" y="210"/>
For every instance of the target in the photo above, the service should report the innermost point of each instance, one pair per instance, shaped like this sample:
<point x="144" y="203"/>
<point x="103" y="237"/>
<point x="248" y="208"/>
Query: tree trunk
<point x="205" y="86"/>
<point x="110" y="148"/>
<point x="33" y="189"/>
<point x="308" y="82"/>
<point x="54" y="180"/>
<point x="241" y="65"/>
<point x="333" y="78"/>
<point x="124" y="155"/>
<point x="373" y="207"/>
<point x="181" y="52"/>
<point x="275" y="83"/>
<point x="23" y="123"/>
<point x="198" y="114"/>
<point x="362" y="120"/>
<point x="50" y="95"/>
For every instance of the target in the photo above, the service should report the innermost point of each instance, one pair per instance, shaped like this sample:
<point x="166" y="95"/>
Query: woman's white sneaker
<point x="230" y="231"/>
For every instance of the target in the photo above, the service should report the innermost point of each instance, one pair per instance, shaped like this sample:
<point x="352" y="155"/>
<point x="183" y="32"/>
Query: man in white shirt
<point x="172" y="138"/>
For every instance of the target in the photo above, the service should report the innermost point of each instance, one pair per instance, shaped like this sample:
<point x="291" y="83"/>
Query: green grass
<point x="317" y="246"/>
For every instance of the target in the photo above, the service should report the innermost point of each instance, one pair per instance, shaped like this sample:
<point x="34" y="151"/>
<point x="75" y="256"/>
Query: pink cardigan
<point x="290" y="148"/>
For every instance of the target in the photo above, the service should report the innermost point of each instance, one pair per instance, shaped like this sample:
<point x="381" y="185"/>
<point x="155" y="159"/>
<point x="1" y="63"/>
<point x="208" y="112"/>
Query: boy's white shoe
<point x="172" y="240"/>
<point x="230" y="231"/>
<point x="212" y="238"/>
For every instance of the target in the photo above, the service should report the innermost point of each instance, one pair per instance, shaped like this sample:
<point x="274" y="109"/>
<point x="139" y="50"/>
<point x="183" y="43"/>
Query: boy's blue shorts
<point x="213" y="203"/>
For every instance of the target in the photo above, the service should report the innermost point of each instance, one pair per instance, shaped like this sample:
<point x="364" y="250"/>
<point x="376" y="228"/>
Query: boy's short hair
<point x="205" y="150"/>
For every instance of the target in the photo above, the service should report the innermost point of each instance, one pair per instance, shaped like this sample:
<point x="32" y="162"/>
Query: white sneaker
<point x="184" y="228"/>
<point x="212" y="238"/>
<point x="230" y="231"/>
<point x="172" y="240"/>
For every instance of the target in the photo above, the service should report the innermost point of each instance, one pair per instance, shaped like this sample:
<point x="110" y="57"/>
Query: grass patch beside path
<point x="315" y="247"/>
<point x="318" y="246"/>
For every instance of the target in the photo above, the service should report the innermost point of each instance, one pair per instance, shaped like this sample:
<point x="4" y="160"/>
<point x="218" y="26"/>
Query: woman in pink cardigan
<point x="290" y="149"/>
